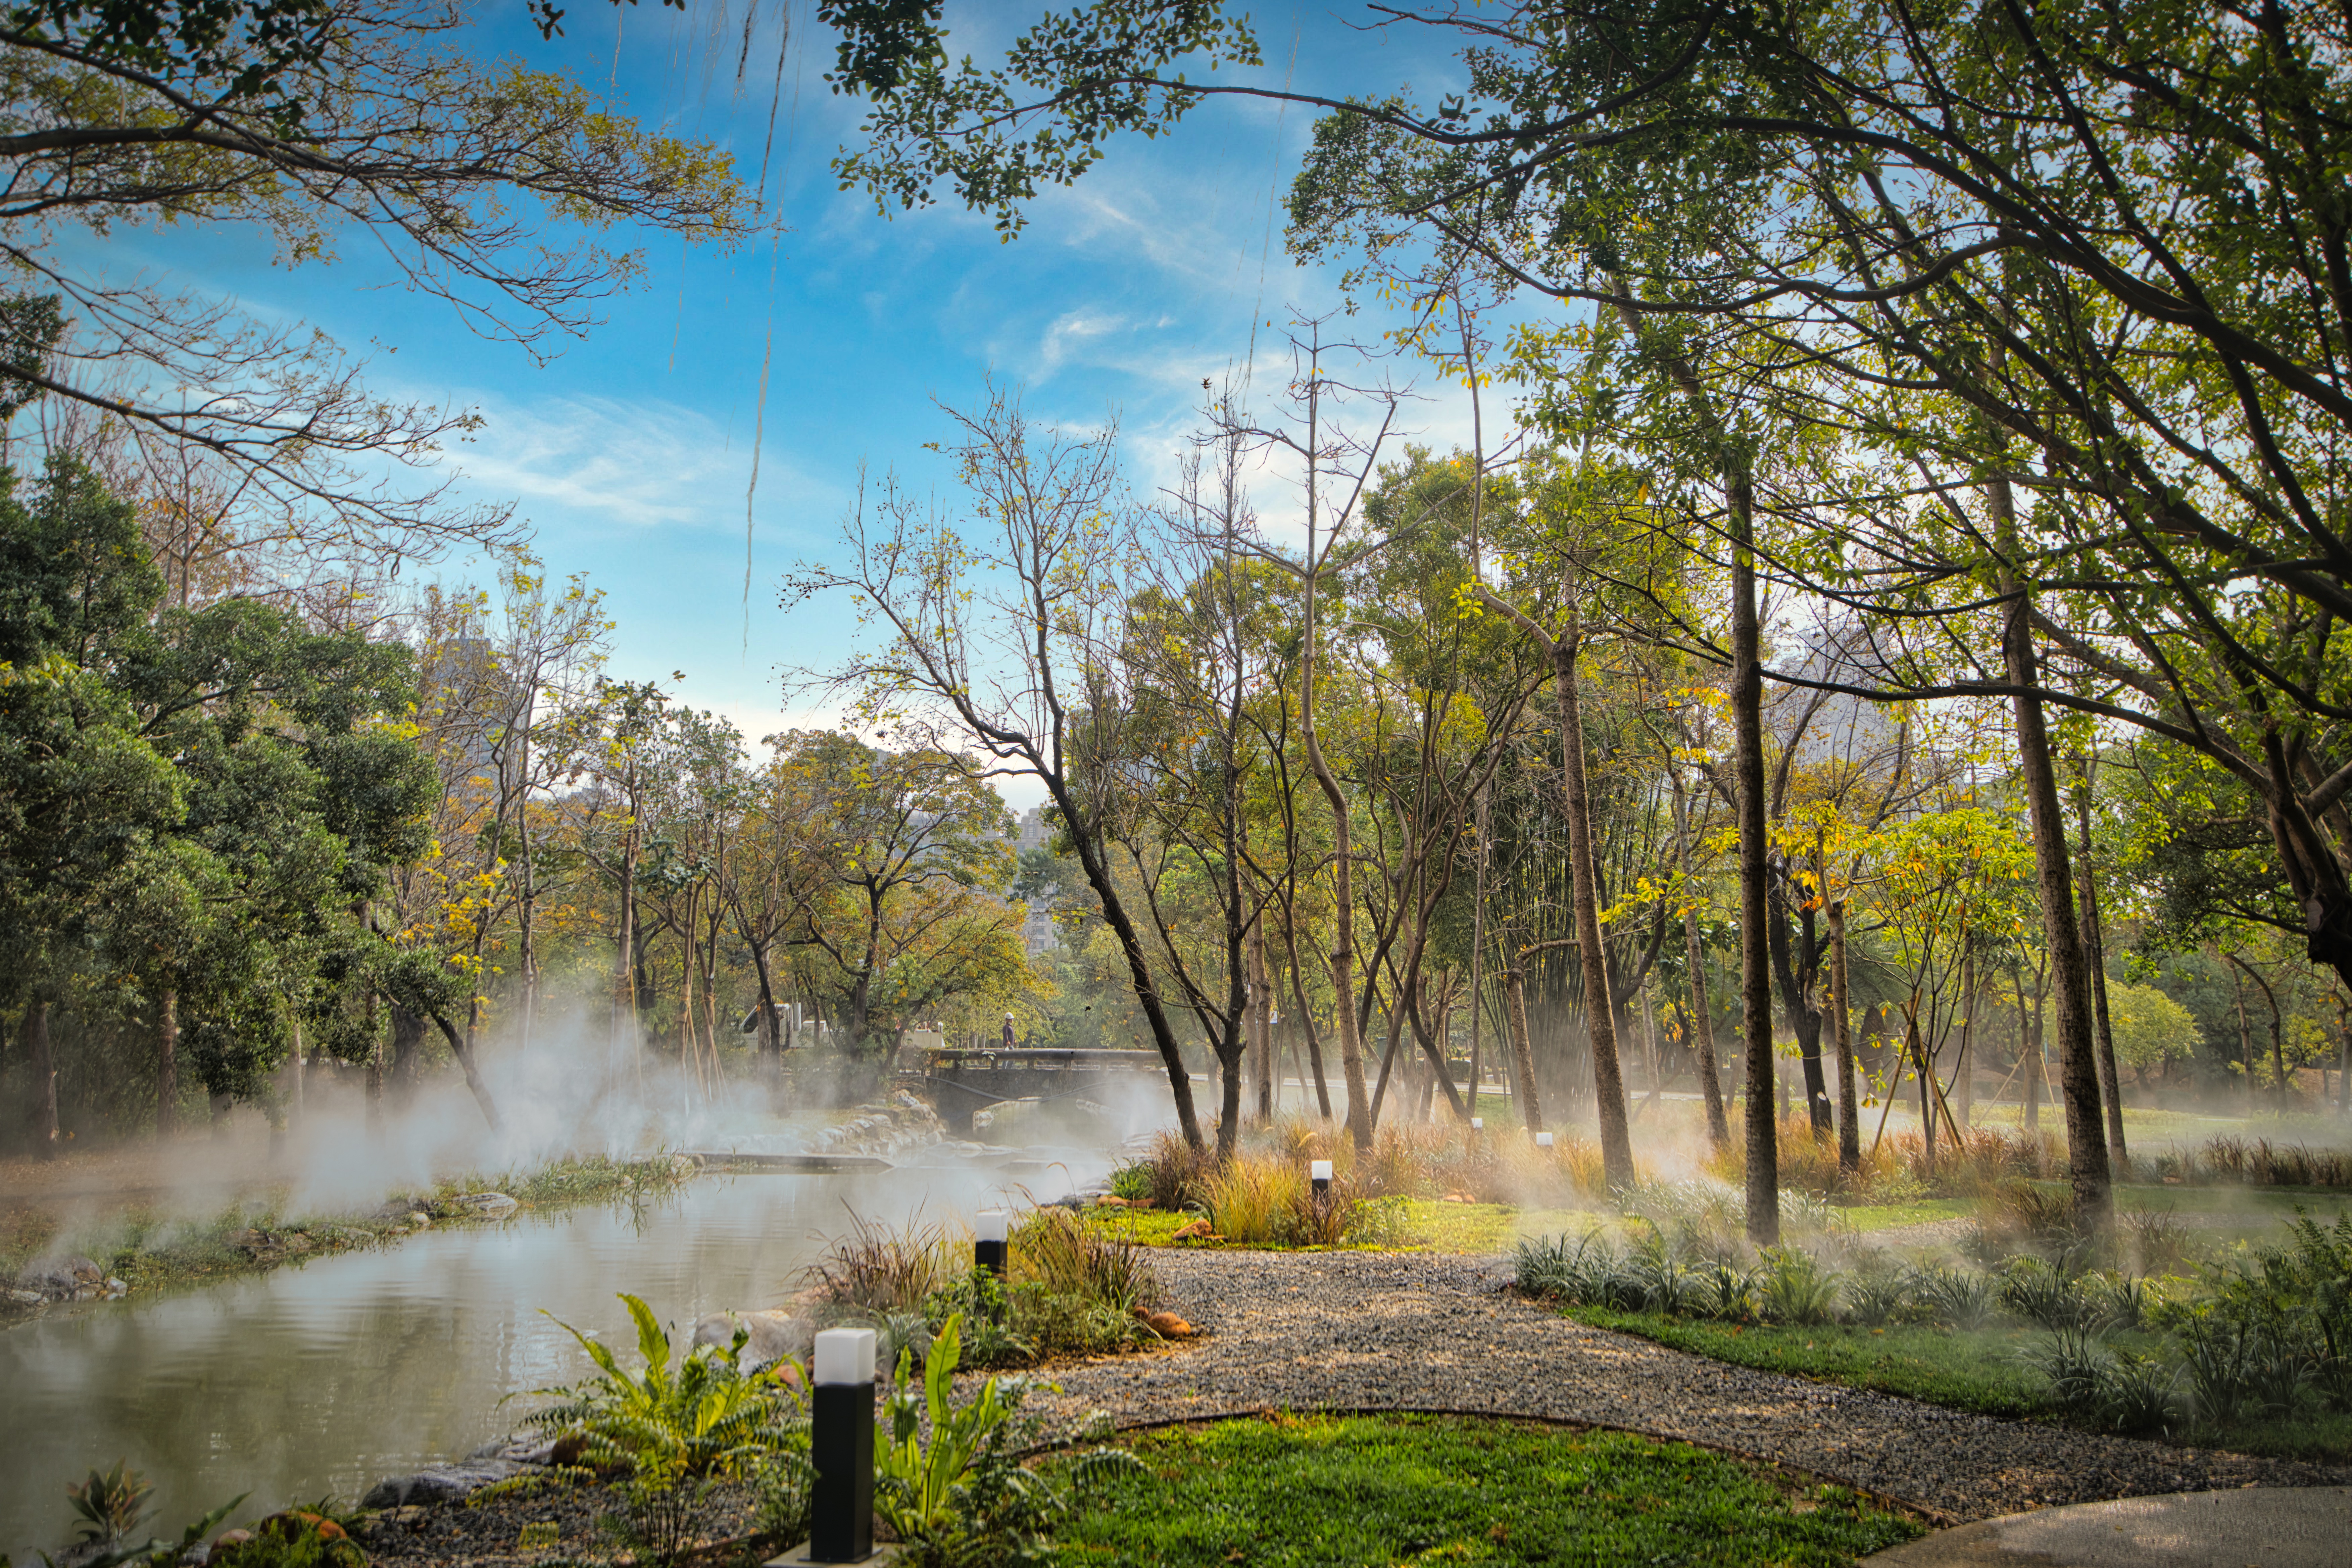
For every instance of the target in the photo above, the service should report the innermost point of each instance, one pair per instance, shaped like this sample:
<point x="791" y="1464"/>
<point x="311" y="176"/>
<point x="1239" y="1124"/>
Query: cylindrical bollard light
<point x="1319" y="1171"/>
<point x="1543" y="1140"/>
<point x="841" y="1442"/>
<point x="987" y="1234"/>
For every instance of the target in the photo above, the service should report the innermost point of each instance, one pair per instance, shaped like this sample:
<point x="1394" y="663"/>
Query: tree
<point x="914" y="842"/>
<point x="314" y="120"/>
<point x="994" y="636"/>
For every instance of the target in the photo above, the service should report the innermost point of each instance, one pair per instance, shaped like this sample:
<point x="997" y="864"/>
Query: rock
<point x="769" y="1336"/>
<point x="419" y="1218"/>
<point x="1166" y="1325"/>
<point x="27" y="1298"/>
<point x="1197" y="1231"/>
<point x="490" y="1205"/>
<point x="295" y="1522"/>
<point x="441" y="1483"/>
<point x="516" y="1450"/>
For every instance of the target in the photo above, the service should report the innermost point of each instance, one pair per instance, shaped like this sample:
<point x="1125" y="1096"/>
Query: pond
<point x="323" y="1379"/>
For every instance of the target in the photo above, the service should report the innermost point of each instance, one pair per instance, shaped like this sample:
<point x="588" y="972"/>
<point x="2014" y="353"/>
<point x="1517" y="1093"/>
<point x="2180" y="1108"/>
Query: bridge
<point x="961" y="1082"/>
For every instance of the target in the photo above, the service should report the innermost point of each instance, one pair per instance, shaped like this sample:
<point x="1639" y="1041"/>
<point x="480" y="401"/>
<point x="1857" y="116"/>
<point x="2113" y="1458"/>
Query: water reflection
<point x="325" y="1378"/>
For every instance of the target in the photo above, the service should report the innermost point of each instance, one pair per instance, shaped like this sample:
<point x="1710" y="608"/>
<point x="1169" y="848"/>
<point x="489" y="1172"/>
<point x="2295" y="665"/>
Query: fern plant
<point x="676" y="1429"/>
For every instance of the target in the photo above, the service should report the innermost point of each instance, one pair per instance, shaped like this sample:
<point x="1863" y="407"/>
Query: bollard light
<point x="987" y="1234"/>
<point x="841" y="1442"/>
<point x="1543" y="1140"/>
<point x="1319" y="1171"/>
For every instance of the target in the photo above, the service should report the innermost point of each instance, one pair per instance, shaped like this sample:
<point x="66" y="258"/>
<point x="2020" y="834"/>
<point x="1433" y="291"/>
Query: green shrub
<point x="947" y="1477"/>
<point x="2036" y="1291"/>
<point x="1877" y="1297"/>
<point x="877" y="1269"/>
<point x="111" y="1503"/>
<point x="676" y="1431"/>
<point x="1954" y="1297"/>
<point x="1792" y="1287"/>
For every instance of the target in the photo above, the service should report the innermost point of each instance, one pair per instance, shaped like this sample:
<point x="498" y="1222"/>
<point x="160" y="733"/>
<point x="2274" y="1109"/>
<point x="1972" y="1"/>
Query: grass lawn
<point x="1339" y="1491"/>
<point x="1974" y="1370"/>
<point x="1966" y="1369"/>
<point x="1919" y="1211"/>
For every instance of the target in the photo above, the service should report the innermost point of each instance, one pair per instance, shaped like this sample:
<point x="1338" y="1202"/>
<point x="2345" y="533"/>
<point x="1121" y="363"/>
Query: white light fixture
<point x="845" y="1357"/>
<point x="1543" y="1140"/>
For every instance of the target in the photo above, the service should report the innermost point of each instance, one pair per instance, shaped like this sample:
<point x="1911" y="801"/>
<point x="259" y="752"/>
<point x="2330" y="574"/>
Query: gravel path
<point x="1405" y="1332"/>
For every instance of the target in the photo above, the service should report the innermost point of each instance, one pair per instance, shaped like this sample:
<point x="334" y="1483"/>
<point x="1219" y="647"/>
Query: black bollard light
<point x="841" y="1442"/>
<point x="987" y="1234"/>
<point x="1319" y="1172"/>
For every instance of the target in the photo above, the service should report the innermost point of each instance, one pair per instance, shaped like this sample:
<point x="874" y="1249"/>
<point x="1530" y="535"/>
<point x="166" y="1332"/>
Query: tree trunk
<point x="45" y="1075"/>
<point x="1261" y="1031"/>
<point x="473" y="1077"/>
<point x="1306" y="1021"/>
<point x="625" y="983"/>
<point x="2029" y="1051"/>
<point x="1842" y="1039"/>
<point x="375" y="1068"/>
<point x="1343" y="918"/>
<point x="1965" y="1074"/>
<point x="2086" y="1145"/>
<point x="407" y="1048"/>
<point x="1523" y="1056"/>
<point x="1755" y="966"/>
<point x="1608" y="1084"/>
<point x="1710" y="1082"/>
<point x="167" y="1063"/>
<point x="2094" y="952"/>
<point x="1795" y="971"/>
<point x="768" y="1035"/>
<point x="1478" y="954"/>
<point x="1924" y="1067"/>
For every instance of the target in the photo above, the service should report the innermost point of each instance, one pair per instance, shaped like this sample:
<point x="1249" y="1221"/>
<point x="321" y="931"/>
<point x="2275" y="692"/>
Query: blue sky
<point x="631" y="453"/>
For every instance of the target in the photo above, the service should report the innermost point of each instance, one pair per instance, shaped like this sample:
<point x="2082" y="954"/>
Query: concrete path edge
<point x="2252" y="1527"/>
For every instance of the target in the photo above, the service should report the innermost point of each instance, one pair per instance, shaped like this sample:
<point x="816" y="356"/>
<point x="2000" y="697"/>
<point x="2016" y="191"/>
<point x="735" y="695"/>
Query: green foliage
<point x="293" y="1540"/>
<point x="675" y="1430"/>
<point x="2150" y="1028"/>
<point x="111" y="1503"/>
<point x="160" y="1554"/>
<point x="947" y="1477"/>
<point x="1294" y="1491"/>
<point x="1792" y="1287"/>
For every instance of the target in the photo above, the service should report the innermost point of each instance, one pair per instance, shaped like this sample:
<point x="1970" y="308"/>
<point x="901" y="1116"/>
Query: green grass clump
<point x="1967" y="1369"/>
<point x="1338" y="1491"/>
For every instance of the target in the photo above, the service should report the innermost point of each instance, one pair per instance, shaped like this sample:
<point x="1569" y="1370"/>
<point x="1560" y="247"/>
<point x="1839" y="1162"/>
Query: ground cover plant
<point x="1333" y="1491"/>
<point x="2251" y="1350"/>
<point x="1071" y="1289"/>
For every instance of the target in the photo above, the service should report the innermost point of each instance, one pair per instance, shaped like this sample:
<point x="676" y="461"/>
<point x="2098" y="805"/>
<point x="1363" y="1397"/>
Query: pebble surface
<point x="1354" y="1331"/>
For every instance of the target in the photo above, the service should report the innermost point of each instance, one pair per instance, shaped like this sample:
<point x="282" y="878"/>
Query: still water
<point x="324" y="1378"/>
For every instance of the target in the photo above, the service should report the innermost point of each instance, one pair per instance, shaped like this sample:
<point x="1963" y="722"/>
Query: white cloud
<point x="642" y="464"/>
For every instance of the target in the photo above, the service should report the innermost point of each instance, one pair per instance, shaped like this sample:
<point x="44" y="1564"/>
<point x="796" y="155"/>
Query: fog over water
<point x="325" y="1377"/>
